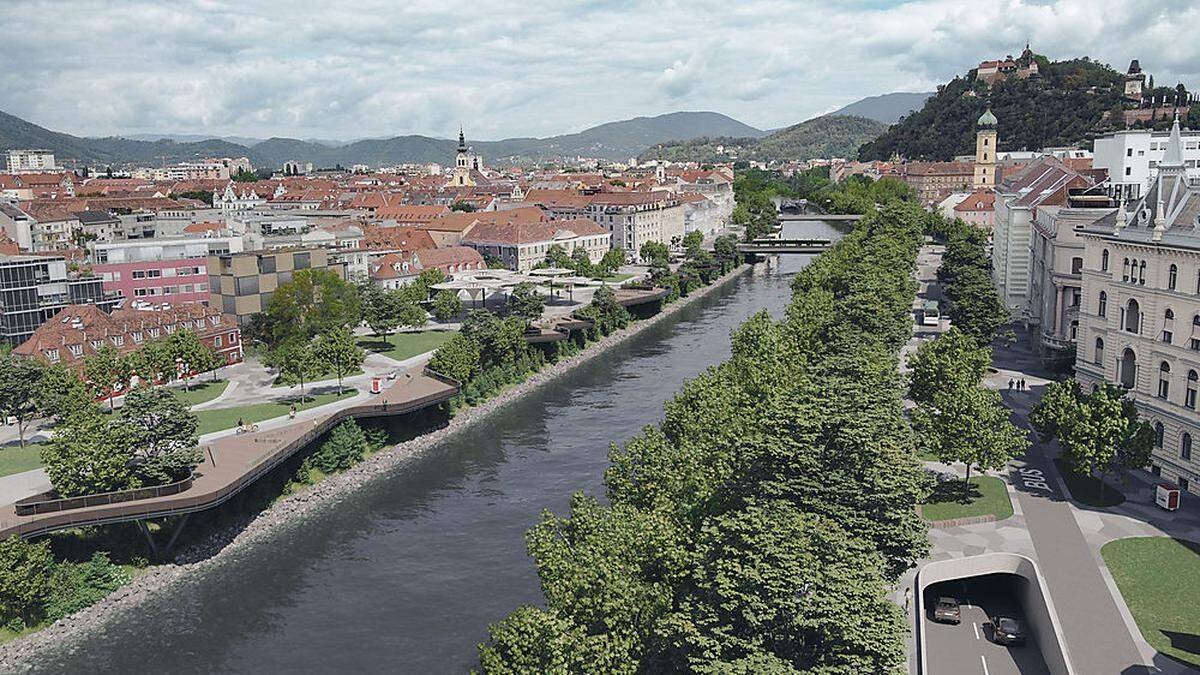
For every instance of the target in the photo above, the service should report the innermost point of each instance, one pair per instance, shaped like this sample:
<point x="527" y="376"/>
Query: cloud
<point x="307" y="68"/>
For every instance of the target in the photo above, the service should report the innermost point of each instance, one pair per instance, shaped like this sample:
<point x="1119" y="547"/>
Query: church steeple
<point x="1173" y="156"/>
<point x="462" y="140"/>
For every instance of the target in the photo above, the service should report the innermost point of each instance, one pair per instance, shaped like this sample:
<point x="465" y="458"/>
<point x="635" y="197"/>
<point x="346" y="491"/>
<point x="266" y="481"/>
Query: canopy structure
<point x="476" y="289"/>
<point x="551" y="272"/>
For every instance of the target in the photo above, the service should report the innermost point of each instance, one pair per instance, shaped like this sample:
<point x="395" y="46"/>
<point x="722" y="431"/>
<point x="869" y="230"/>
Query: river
<point x="406" y="574"/>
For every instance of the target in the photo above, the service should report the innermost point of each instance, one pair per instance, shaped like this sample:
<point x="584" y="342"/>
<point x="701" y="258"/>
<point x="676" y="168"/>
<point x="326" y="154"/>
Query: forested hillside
<point x="1065" y="105"/>
<point x="826" y="136"/>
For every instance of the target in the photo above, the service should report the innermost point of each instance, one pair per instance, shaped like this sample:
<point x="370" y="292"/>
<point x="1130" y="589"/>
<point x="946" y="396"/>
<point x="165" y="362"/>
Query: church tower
<point x="462" y="163"/>
<point x="986" y="138"/>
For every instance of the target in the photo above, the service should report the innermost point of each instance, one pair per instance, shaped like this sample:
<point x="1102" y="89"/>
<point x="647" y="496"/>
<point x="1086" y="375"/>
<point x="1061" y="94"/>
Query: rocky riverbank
<point x="289" y="512"/>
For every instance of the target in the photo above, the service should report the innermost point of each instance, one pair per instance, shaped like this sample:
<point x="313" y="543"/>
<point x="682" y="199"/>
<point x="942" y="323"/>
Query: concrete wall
<point x="1035" y="599"/>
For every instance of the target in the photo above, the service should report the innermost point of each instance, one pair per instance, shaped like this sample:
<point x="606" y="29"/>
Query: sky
<point x="371" y="68"/>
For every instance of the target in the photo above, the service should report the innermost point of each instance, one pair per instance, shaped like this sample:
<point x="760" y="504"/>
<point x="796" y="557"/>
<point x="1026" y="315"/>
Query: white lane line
<point x="975" y="627"/>
<point x="984" y="662"/>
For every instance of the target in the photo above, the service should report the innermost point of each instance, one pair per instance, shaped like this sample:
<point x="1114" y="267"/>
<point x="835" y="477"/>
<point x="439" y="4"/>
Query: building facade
<point x="1131" y="158"/>
<point x="1140" y="322"/>
<point x="241" y="284"/>
<point x="636" y="218"/>
<point x="521" y="246"/>
<point x="34" y="288"/>
<point x="31" y="161"/>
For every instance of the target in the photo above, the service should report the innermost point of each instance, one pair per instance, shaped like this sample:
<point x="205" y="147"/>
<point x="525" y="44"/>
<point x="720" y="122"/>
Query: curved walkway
<point x="232" y="461"/>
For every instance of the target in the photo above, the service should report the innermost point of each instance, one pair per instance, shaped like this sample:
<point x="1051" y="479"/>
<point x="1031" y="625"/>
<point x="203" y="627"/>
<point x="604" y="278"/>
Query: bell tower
<point x="986" y="138"/>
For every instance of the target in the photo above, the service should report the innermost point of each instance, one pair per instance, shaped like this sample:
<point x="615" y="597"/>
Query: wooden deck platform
<point x="233" y="462"/>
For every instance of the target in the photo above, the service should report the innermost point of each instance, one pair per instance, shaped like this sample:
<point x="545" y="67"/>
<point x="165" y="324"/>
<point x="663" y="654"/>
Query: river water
<point x="405" y="575"/>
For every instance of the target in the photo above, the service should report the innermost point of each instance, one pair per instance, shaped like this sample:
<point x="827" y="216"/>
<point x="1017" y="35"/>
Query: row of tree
<point x="579" y="261"/>
<point x="760" y="526"/>
<point x="966" y="278"/>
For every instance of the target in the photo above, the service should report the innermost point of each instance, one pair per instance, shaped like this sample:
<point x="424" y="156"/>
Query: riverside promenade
<point x="229" y="463"/>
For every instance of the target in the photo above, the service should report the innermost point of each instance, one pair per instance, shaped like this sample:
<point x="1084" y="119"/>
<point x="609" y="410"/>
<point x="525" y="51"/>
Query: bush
<point x="25" y="569"/>
<point x="75" y="586"/>
<point x="446" y="305"/>
<point x="345" y="447"/>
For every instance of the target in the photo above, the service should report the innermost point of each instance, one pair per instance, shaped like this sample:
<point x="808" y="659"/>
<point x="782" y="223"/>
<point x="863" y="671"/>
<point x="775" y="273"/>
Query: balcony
<point x="1055" y="343"/>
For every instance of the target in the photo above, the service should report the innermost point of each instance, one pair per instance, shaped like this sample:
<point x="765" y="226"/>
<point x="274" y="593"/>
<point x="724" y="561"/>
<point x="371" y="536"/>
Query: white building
<point x="31" y="161"/>
<point x="635" y="218"/>
<point x="1140" y="320"/>
<point x="1132" y="157"/>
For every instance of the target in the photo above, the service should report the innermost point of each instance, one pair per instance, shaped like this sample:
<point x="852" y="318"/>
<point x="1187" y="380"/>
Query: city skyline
<point x="377" y="70"/>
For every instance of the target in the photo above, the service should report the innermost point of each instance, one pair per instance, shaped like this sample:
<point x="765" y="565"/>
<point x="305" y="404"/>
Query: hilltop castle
<point x="1023" y="66"/>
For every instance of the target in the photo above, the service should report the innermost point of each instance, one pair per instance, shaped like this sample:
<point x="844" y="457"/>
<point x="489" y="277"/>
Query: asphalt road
<point x="967" y="648"/>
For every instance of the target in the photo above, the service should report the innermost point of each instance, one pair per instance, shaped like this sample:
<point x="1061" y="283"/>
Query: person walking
<point x="1010" y="384"/>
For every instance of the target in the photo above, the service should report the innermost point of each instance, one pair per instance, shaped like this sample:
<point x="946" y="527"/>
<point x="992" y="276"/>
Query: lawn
<point x="400" y="346"/>
<point x="1086" y="489"/>
<point x="615" y="278"/>
<point x="219" y="419"/>
<point x="987" y="496"/>
<point x="15" y="459"/>
<point x="202" y="391"/>
<point x="323" y="377"/>
<point x="1153" y="574"/>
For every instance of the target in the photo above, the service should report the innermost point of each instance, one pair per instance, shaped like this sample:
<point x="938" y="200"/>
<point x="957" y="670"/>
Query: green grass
<point x="202" y="391"/>
<point x="987" y="496"/>
<point x="1156" y="577"/>
<point x="319" y="378"/>
<point x="219" y="419"/>
<point x="15" y="459"/>
<point x="615" y="278"/>
<point x="400" y="346"/>
<point x="1086" y="489"/>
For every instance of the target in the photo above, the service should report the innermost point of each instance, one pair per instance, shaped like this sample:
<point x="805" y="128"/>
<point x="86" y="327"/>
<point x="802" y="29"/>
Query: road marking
<point x="984" y="662"/>
<point x="975" y="627"/>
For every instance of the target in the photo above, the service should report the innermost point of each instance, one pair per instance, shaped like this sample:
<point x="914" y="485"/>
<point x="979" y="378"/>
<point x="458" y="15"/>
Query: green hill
<point x="1064" y="105"/>
<point x="825" y="136"/>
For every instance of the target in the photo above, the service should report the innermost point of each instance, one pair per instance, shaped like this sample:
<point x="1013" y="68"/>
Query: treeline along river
<point x="406" y="574"/>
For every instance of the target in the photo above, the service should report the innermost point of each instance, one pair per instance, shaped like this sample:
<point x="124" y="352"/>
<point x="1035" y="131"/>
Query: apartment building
<point x="635" y="218"/>
<point x="31" y="161"/>
<point x="1131" y="158"/>
<point x="1140" y="320"/>
<point x="241" y="284"/>
<point x="522" y="245"/>
<point x="33" y="288"/>
<point x="168" y="270"/>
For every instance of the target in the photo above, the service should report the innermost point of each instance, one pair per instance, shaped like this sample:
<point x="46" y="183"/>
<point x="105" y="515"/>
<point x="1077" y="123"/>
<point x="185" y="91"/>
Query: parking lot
<point x="967" y="647"/>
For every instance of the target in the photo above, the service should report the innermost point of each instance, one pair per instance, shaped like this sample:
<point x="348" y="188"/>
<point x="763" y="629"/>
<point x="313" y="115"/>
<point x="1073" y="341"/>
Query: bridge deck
<point x="235" y="461"/>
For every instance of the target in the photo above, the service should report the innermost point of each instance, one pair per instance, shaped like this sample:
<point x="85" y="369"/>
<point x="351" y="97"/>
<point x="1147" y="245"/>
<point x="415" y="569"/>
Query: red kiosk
<point x="1166" y="495"/>
<point x="376" y="385"/>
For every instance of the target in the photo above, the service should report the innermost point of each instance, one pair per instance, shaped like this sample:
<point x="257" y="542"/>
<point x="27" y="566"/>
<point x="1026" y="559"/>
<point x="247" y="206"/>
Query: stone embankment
<point x="290" y="511"/>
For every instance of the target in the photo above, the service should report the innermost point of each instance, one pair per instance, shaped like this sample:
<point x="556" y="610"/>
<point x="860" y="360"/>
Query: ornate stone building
<point x="1140" y="321"/>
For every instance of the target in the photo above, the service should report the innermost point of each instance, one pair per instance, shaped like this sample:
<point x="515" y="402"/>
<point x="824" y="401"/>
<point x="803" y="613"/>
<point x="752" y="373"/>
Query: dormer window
<point x="137" y="337"/>
<point x="96" y="344"/>
<point x="153" y="332"/>
<point x="76" y="350"/>
<point x="52" y="354"/>
<point x="118" y="340"/>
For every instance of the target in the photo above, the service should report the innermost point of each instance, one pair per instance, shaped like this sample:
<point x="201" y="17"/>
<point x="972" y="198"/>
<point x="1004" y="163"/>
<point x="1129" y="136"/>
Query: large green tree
<point x="951" y="362"/>
<point x="970" y="425"/>
<point x="1099" y="432"/>
<point x="313" y="302"/>
<point x="525" y="302"/>
<point x="338" y="351"/>
<point x="108" y="371"/>
<point x="298" y="363"/>
<point x="89" y="454"/>
<point x="162" y="434"/>
<point x="25" y="568"/>
<point x="20" y="381"/>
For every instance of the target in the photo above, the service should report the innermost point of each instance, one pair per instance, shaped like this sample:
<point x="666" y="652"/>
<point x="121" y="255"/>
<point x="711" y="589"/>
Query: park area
<point x="1087" y="489"/>
<point x="1156" y="576"/>
<point x="950" y="499"/>
<point x="219" y="419"/>
<point x="401" y="346"/>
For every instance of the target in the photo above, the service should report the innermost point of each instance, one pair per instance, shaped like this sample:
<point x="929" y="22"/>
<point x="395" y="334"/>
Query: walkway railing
<point x="40" y="504"/>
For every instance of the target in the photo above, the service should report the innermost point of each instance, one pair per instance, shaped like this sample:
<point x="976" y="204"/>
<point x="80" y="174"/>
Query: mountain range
<point x="885" y="108"/>
<point x="613" y="141"/>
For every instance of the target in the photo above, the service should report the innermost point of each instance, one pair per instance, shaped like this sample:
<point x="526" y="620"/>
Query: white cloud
<point x="307" y="68"/>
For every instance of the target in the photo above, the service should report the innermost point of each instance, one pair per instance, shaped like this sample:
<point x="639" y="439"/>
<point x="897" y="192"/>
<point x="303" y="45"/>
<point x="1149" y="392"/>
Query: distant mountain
<point x="825" y="136"/>
<point x="1067" y="102"/>
<point x="192" y="138"/>
<point x="886" y="108"/>
<point x="614" y="141"/>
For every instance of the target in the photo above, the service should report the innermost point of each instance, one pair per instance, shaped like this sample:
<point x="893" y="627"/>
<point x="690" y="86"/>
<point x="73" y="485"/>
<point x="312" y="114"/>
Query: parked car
<point x="945" y="610"/>
<point x="1007" y="631"/>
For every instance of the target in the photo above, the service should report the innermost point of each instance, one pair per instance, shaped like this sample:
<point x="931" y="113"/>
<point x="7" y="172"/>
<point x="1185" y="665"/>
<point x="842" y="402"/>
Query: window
<point x="217" y="341"/>
<point x="301" y="261"/>
<point x="1099" y="352"/>
<point x="1168" y="332"/>
<point x="1125" y="271"/>
<point x="1164" y="380"/>
<point x="1102" y="306"/>
<point x="1142" y="273"/>
<point x="1183" y="484"/>
<point x="1185" y="447"/>
<point x="1104" y="261"/>
<point x="1133" y="317"/>
<point x="1189" y="398"/>
<point x="266" y="264"/>
<point x="1158" y="434"/>
<point x="1076" y="265"/>
<point x="1172" y="276"/>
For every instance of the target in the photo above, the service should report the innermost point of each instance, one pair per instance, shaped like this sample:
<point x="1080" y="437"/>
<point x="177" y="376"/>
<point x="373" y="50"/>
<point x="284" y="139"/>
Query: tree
<point x="345" y="447"/>
<point x="611" y="262"/>
<point x="298" y="363"/>
<point x="188" y="355"/>
<point x="61" y="394"/>
<point x="463" y="207"/>
<point x="25" y="568"/>
<point x="410" y="314"/>
<point x="446" y="305"/>
<point x="1099" y="432"/>
<point x="244" y="176"/>
<point x="162" y="434"/>
<point x="88" y="455"/>
<point x="725" y="246"/>
<point x="943" y="366"/>
<point x="499" y="340"/>
<point x="654" y="250"/>
<point x="525" y="302"/>
<point x="581" y="262"/>
<point x="377" y="309"/>
<point x="975" y="308"/>
<point x="556" y="256"/>
<point x="458" y="358"/>
<point x="972" y="426"/>
<point x="108" y="372"/>
<point x="337" y="350"/>
<point x="692" y="241"/>
<point x="20" y="380"/>
<point x="313" y="302"/>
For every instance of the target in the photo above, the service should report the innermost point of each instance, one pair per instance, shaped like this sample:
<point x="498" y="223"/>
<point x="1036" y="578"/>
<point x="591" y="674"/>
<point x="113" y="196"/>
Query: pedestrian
<point x="1010" y="384"/>
<point x="1023" y="387"/>
<point x="907" y="597"/>
<point x="292" y="412"/>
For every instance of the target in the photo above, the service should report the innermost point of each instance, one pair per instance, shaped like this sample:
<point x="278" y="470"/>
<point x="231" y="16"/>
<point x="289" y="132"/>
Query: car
<point x="945" y="610"/>
<point x="1007" y="631"/>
